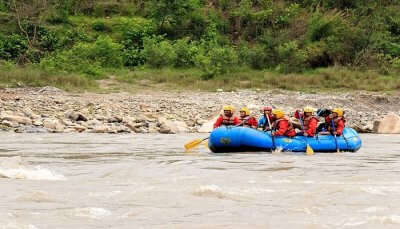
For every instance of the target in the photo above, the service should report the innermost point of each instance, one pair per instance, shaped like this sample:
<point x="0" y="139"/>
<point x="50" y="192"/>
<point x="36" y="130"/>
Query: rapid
<point x="147" y="181"/>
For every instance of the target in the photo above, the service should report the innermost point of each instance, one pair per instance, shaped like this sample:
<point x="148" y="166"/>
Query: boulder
<point x="9" y="124"/>
<point x="17" y="119"/>
<point x="362" y="128"/>
<point x="29" y="113"/>
<point x="172" y="127"/>
<point x="79" y="128"/>
<point x="75" y="116"/>
<point x="390" y="124"/>
<point x="208" y="126"/>
<point x="93" y="122"/>
<point x="101" y="129"/>
<point x="53" y="125"/>
<point x="37" y="123"/>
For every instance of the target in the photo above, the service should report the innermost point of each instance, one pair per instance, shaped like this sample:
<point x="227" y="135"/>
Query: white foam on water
<point x="36" y="173"/>
<point x="257" y="190"/>
<point x="381" y="190"/>
<point x="104" y="194"/>
<point x="390" y="219"/>
<point x="373" y="190"/>
<point x="15" y="225"/>
<point x="92" y="213"/>
<point x="281" y="181"/>
<point x="210" y="191"/>
<point x="372" y="220"/>
<point x="229" y="193"/>
<point x="13" y="168"/>
<point x="373" y="209"/>
<point x="354" y="223"/>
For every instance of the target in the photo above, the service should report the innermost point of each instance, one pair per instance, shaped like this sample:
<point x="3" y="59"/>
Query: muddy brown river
<point x="50" y="181"/>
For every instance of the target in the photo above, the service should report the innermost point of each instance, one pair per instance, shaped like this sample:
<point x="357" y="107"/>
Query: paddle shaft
<point x="334" y="134"/>
<point x="302" y="127"/>
<point x="272" y="136"/>
<point x="301" y="121"/>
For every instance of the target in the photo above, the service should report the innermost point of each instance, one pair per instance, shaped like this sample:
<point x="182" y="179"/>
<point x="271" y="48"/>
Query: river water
<point x="147" y="181"/>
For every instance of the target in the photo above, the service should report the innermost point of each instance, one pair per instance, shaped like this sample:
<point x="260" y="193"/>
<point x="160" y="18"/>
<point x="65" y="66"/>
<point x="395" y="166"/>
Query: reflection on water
<point x="147" y="181"/>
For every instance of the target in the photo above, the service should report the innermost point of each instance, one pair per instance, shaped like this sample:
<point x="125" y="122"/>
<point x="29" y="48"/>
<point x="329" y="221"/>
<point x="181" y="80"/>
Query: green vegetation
<point x="201" y="44"/>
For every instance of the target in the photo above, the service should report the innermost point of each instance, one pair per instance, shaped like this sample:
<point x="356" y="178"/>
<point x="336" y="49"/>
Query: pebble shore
<point x="48" y="109"/>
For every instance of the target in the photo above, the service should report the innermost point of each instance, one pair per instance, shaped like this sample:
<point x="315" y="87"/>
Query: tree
<point x="28" y="14"/>
<point x="172" y="11"/>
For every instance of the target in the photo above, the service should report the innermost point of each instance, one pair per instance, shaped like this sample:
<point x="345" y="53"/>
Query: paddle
<point x="272" y="136"/>
<point x="190" y="145"/>
<point x="334" y="130"/>
<point x="309" y="150"/>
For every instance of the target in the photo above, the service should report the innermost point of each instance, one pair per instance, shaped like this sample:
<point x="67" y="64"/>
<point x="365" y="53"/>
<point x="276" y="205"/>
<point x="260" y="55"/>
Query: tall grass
<point x="11" y="76"/>
<point x="327" y="79"/>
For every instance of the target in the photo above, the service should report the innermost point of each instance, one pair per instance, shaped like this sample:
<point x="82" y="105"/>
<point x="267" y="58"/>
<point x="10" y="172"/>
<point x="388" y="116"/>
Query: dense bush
<point x="86" y="58"/>
<point x="213" y="36"/>
<point x="292" y="58"/>
<point x="216" y="60"/>
<point x="12" y="46"/>
<point x="186" y="52"/>
<point x="158" y="52"/>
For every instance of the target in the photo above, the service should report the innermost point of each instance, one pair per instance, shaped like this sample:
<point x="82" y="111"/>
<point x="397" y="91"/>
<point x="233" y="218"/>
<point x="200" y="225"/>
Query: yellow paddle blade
<point x="205" y="143"/>
<point x="192" y="144"/>
<point x="309" y="150"/>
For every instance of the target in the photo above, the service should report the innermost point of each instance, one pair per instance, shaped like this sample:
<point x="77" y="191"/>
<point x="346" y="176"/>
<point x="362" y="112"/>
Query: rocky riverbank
<point x="48" y="109"/>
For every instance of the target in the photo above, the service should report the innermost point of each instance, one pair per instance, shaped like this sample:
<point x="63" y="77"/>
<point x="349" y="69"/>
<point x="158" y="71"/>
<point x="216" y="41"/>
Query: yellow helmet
<point x="245" y="110"/>
<point x="228" y="108"/>
<point x="308" y="109"/>
<point x="338" y="111"/>
<point x="278" y="113"/>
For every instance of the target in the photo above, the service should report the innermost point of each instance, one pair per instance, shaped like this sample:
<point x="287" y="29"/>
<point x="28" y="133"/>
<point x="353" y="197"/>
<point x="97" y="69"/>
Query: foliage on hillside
<point x="94" y="37"/>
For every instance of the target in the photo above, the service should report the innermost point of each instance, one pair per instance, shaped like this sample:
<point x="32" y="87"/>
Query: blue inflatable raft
<point x="242" y="139"/>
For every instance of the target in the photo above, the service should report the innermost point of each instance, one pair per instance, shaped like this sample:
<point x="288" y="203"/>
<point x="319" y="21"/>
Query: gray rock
<point x="93" y="122"/>
<point x="17" y="119"/>
<point x="50" y="90"/>
<point x="114" y="119"/>
<point x="172" y="127"/>
<point x="31" y="129"/>
<point x="53" y="125"/>
<point x="79" y="128"/>
<point x="75" y="116"/>
<point x="29" y="113"/>
<point x="9" y="124"/>
<point x="390" y="124"/>
<point x="208" y="126"/>
<point x="101" y="129"/>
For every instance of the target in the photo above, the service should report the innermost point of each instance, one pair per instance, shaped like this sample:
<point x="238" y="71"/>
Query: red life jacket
<point x="290" y="132"/>
<point x="310" y="125"/>
<point x="336" y="123"/>
<point x="248" y="121"/>
<point x="228" y="121"/>
<point x="306" y="122"/>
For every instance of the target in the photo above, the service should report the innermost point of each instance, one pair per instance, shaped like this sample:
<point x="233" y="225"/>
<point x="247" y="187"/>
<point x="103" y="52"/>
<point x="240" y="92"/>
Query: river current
<point x="50" y="181"/>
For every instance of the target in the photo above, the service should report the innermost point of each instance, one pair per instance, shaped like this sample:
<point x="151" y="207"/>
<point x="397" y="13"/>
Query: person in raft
<point x="282" y="126"/>
<point x="263" y="121"/>
<point x="337" y="122"/>
<point x="326" y="114"/>
<point x="227" y="118"/>
<point x="309" y="122"/>
<point x="247" y="120"/>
